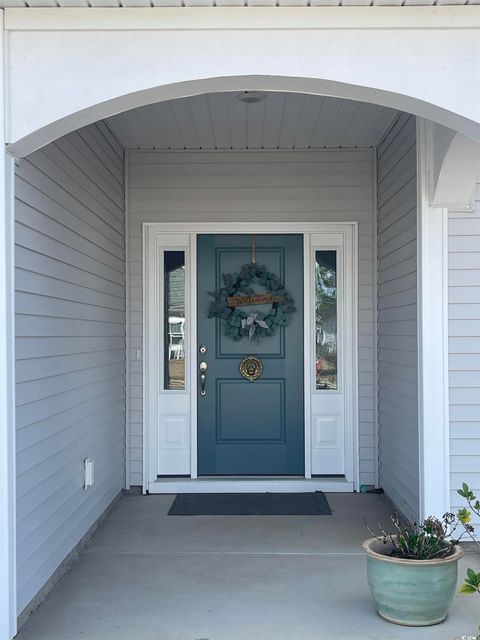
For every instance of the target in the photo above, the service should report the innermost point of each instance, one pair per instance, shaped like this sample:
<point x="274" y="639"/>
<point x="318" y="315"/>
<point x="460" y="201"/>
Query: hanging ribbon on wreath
<point x="237" y="291"/>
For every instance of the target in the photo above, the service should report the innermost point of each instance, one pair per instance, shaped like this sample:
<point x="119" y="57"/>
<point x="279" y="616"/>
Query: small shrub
<point x="472" y="581"/>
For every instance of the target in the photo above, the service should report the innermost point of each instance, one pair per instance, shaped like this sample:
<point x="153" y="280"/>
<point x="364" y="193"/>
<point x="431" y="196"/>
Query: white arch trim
<point x="95" y="112"/>
<point x="102" y="62"/>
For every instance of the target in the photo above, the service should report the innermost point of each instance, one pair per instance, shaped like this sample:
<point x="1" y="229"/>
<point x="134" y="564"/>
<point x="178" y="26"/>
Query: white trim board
<point x="432" y="304"/>
<point x="8" y="550"/>
<point x="375" y="317"/>
<point x="158" y="236"/>
<point x="240" y="18"/>
<point x="233" y="485"/>
<point x="127" y="324"/>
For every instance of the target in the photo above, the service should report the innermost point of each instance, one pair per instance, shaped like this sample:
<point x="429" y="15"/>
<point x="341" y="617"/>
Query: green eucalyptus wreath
<point x="239" y="323"/>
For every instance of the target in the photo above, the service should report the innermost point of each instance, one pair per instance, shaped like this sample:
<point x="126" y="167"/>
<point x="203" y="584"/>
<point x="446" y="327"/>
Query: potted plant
<point x="412" y="573"/>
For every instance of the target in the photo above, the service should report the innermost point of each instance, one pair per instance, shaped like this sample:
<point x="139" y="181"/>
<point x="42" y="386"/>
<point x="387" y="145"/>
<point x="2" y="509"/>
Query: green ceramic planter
<point x="415" y="593"/>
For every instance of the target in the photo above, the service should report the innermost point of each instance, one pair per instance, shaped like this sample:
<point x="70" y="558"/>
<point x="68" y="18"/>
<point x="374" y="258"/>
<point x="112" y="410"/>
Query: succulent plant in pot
<point x="412" y="573"/>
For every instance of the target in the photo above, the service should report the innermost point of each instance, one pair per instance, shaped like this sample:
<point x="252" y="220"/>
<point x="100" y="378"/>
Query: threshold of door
<point x="249" y="485"/>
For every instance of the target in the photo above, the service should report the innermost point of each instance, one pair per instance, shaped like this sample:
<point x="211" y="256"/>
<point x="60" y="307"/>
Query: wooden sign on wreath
<point x="237" y="291"/>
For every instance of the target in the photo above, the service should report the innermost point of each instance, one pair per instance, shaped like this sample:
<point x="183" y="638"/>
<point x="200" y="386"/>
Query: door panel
<point x="251" y="428"/>
<point x="260" y="427"/>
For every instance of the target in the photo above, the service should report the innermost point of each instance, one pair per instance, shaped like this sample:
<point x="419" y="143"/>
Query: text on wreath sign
<point x="261" y="298"/>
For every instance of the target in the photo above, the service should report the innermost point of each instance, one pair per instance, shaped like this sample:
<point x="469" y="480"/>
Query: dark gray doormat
<point x="250" y="504"/>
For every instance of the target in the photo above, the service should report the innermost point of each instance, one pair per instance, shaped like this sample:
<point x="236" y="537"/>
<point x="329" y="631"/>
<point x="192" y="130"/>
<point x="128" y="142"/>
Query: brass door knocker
<point x="251" y="368"/>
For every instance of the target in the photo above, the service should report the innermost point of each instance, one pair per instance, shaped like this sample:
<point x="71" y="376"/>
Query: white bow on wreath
<point x="252" y="322"/>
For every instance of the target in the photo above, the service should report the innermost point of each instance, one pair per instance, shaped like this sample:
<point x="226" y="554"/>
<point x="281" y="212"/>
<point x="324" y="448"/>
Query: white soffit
<point x="231" y="3"/>
<point x="281" y="121"/>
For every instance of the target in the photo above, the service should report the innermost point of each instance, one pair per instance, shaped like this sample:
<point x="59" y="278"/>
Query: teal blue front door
<point x="250" y="427"/>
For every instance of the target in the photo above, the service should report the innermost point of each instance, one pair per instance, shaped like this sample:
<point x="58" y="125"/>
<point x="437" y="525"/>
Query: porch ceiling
<point x="281" y="121"/>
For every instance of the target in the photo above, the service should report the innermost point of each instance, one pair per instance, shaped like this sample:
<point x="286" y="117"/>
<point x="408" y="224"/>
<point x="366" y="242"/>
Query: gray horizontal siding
<point x="464" y="350"/>
<point x="397" y="316"/>
<point x="70" y="345"/>
<point x="257" y="186"/>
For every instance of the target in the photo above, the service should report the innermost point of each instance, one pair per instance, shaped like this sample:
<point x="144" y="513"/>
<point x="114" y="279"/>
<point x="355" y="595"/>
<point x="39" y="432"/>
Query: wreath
<point x="236" y="291"/>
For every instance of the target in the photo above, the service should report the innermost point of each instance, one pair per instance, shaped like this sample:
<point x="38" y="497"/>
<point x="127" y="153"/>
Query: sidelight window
<point x="174" y="320"/>
<point x="326" y="322"/>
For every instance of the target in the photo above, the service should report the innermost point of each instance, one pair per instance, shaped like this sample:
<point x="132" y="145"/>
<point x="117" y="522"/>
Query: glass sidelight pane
<point x="326" y="319"/>
<point x="174" y="314"/>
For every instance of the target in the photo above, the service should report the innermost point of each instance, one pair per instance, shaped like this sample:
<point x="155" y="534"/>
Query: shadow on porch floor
<point x="146" y="576"/>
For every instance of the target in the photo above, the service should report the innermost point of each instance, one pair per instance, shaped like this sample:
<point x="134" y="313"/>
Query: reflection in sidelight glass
<point x="174" y="314"/>
<point x="326" y="319"/>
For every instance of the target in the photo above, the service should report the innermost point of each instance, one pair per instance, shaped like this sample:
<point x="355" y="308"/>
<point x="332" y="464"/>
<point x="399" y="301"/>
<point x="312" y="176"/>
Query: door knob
<point x="203" y="377"/>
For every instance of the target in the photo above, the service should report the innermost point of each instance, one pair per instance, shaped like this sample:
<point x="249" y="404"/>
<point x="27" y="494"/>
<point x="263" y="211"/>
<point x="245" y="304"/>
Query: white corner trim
<point x="432" y="299"/>
<point x="127" y="320"/>
<point x="8" y="590"/>
<point x="8" y="569"/>
<point x="375" y="315"/>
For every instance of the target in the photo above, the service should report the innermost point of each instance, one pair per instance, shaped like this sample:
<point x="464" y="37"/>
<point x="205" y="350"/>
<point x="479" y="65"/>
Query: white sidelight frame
<point x="158" y="237"/>
<point x="333" y="408"/>
<point x="171" y="407"/>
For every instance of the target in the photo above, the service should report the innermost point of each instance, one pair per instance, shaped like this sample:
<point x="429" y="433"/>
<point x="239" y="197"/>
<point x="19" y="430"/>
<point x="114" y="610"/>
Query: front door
<point x="250" y="426"/>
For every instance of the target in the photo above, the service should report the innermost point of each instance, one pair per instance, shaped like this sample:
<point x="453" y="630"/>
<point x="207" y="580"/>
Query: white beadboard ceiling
<point x="281" y="121"/>
<point x="230" y="3"/>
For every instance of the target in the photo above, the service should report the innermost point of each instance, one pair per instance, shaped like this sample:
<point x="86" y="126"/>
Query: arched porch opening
<point x="71" y="201"/>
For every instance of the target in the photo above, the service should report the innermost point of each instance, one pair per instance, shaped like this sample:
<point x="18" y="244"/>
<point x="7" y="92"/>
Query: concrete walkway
<point x="146" y="576"/>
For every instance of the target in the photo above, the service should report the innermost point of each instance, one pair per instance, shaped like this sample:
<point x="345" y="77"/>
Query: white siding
<point x="269" y="186"/>
<point x="70" y="345"/>
<point x="464" y="350"/>
<point x="397" y="316"/>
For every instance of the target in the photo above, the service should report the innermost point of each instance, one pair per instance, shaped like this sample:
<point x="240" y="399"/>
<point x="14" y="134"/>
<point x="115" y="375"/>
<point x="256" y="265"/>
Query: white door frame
<point x="184" y="235"/>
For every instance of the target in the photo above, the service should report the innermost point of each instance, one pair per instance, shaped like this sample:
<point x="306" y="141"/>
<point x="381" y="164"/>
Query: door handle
<point x="203" y="377"/>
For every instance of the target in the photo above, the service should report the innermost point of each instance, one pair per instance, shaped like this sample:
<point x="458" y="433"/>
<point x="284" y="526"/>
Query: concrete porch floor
<point x="146" y="576"/>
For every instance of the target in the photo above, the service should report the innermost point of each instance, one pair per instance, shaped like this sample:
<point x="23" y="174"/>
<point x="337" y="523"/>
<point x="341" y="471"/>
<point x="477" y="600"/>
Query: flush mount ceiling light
<point x="251" y="97"/>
